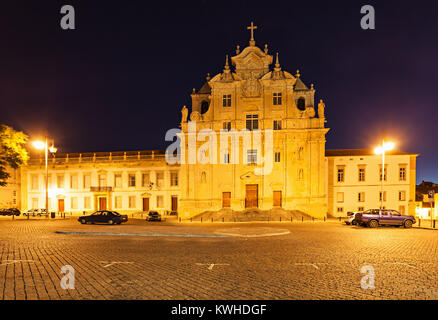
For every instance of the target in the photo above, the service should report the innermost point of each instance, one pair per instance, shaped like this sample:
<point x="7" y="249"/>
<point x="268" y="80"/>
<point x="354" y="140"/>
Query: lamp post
<point x="385" y="146"/>
<point x="40" y="145"/>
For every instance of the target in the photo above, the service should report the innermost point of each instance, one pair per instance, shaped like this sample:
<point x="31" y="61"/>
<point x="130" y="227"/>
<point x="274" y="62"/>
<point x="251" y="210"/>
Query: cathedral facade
<point x="249" y="95"/>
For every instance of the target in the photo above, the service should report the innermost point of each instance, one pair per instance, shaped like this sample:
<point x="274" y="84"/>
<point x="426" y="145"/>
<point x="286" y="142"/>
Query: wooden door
<point x="251" y="199"/>
<point x="277" y="198"/>
<point x="226" y="199"/>
<point x="146" y="204"/>
<point x="60" y="205"/>
<point x="174" y="203"/>
<point x="102" y="203"/>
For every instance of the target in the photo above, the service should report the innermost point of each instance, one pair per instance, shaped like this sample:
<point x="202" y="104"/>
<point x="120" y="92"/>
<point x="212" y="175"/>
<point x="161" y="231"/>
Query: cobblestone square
<point x="141" y="260"/>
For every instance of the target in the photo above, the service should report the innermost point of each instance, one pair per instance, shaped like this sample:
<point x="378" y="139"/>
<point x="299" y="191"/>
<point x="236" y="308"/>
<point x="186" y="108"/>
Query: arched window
<point x="204" y="107"/>
<point x="301" y="104"/>
<point x="203" y="177"/>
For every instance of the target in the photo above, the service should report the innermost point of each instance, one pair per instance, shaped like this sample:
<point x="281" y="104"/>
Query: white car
<point x="35" y="212"/>
<point x="350" y="219"/>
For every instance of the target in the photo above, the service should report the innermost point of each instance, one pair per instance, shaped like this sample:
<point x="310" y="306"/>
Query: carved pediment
<point x="252" y="62"/>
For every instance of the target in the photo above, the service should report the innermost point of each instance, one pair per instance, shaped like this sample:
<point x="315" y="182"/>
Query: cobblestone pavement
<point x="298" y="261"/>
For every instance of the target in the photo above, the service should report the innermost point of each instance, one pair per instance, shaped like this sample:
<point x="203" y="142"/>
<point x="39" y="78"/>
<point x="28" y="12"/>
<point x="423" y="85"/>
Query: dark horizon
<point x="119" y="81"/>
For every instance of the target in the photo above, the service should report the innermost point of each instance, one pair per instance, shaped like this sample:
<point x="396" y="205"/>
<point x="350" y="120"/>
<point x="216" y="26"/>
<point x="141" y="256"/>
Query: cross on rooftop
<point x="252" y="27"/>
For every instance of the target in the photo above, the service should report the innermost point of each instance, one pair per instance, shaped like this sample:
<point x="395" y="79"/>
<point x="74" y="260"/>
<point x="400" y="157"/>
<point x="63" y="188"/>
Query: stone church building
<point x="252" y="94"/>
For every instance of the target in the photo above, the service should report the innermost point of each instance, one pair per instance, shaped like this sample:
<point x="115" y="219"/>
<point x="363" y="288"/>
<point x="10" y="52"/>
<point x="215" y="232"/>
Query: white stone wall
<point x="371" y="187"/>
<point x="80" y="193"/>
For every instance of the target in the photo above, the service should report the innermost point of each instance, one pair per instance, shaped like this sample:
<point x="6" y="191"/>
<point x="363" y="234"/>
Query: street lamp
<point x="43" y="145"/>
<point x="385" y="146"/>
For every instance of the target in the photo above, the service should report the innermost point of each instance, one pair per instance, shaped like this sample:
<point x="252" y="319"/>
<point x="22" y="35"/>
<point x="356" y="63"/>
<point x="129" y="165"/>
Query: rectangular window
<point x="340" y="209"/>
<point x="74" y="203"/>
<point x="384" y="196"/>
<point x="160" y="202"/>
<point x="132" y="202"/>
<point x="402" y="174"/>
<point x="117" y="180"/>
<point x="145" y="180"/>
<point x="227" y="125"/>
<point x="226" y="158"/>
<point x="277" y="99"/>
<point x="60" y="181"/>
<point x="226" y="100"/>
<point x="361" y="196"/>
<point x="361" y="174"/>
<point x="277" y="124"/>
<point x="360" y="209"/>
<point x="252" y="156"/>
<point x="174" y="179"/>
<point x="34" y="203"/>
<point x="160" y="179"/>
<point x="252" y="121"/>
<point x="50" y="181"/>
<point x="87" y="203"/>
<point x="34" y="179"/>
<point x="131" y="180"/>
<point x="102" y="180"/>
<point x="402" y="195"/>
<point x="277" y="157"/>
<point x="340" y="197"/>
<point x="386" y="174"/>
<point x="118" y="202"/>
<point x="74" y="181"/>
<point x="341" y="173"/>
<point x="87" y="181"/>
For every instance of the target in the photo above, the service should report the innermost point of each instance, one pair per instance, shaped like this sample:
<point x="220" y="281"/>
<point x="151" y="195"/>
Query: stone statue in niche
<point x="184" y="113"/>
<point x="321" y="107"/>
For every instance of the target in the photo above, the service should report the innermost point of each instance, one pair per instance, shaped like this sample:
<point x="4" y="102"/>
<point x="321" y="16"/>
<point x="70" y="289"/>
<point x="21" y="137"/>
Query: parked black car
<point x="153" y="216"/>
<point x="104" y="216"/>
<point x="9" y="212"/>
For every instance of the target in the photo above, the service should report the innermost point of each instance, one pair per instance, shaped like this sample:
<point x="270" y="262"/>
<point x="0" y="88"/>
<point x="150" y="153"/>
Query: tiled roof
<point x="205" y="89"/>
<point x="299" y="85"/>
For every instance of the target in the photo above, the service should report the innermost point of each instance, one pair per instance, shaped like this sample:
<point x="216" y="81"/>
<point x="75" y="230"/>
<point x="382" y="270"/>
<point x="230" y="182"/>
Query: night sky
<point x="119" y="81"/>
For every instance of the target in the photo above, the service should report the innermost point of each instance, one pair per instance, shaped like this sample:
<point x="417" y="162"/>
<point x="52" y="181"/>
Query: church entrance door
<point x="226" y="199"/>
<point x="174" y="203"/>
<point x="277" y="198"/>
<point x="102" y="203"/>
<point x="60" y="205"/>
<point x="145" y="204"/>
<point x="251" y="199"/>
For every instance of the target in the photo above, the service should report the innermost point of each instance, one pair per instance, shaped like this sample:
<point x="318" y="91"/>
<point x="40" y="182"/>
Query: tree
<point x="12" y="151"/>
